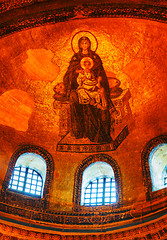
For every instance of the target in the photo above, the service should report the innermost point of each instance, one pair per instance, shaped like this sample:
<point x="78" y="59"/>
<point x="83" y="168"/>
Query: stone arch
<point x="148" y="152"/>
<point x="79" y="172"/>
<point x="20" y="199"/>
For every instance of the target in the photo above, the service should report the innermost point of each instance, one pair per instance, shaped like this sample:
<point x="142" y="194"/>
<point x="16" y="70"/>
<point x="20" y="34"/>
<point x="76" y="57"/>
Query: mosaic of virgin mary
<point x="87" y="89"/>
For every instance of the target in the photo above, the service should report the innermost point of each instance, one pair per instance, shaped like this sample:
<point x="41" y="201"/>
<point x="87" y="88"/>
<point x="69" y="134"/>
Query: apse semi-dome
<point x="83" y="120"/>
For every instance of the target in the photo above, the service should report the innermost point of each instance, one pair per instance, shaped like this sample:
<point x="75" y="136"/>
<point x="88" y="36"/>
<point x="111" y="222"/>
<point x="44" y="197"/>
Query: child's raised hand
<point x="80" y="71"/>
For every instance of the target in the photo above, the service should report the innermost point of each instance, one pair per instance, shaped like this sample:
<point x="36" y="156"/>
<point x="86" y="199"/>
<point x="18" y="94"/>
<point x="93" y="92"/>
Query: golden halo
<point x="86" y="59"/>
<point x="78" y="35"/>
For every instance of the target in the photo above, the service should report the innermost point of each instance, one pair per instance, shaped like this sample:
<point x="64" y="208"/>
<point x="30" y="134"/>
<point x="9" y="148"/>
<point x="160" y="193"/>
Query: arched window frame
<point x="78" y="182"/>
<point x="152" y="144"/>
<point x="20" y="199"/>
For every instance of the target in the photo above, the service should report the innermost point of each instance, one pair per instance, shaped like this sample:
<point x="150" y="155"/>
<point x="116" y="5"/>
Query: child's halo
<point x="86" y="59"/>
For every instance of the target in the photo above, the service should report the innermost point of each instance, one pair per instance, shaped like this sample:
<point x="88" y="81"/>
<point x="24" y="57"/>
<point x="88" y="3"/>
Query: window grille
<point x="27" y="181"/>
<point x="165" y="180"/>
<point x="101" y="191"/>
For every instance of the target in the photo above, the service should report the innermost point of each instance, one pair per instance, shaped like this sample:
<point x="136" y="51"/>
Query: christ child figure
<point x="89" y="89"/>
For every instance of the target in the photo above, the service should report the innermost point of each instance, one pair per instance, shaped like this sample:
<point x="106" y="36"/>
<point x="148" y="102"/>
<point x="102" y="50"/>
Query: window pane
<point x="100" y="190"/>
<point x="23" y="169"/>
<point x="94" y="190"/>
<point x="87" y="190"/>
<point x="15" y="177"/>
<point x="100" y="194"/>
<point x="22" y="174"/>
<point x="100" y="185"/>
<point x="32" y="191"/>
<point x="16" y="172"/>
<point x="94" y="185"/>
<point x="87" y="200"/>
<point x="107" y="194"/>
<point x="87" y="195"/>
<point x="21" y="179"/>
<point x="107" y="199"/>
<point x="108" y="180"/>
<point x="33" y="187"/>
<point x="101" y="180"/>
<point x="113" y="199"/>
<point x="39" y="183"/>
<point x="28" y="185"/>
<point x="93" y="195"/>
<point x="107" y="184"/>
<point x="15" y="182"/>
<point x="20" y="184"/>
<point x="99" y="200"/>
<point x="93" y="200"/>
<point x="28" y="180"/>
<point x="27" y="190"/>
<point x="34" y="182"/>
<point x="39" y="188"/>
<point x="35" y="177"/>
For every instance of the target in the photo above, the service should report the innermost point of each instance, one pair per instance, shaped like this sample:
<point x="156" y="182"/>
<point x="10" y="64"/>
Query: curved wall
<point x="33" y="61"/>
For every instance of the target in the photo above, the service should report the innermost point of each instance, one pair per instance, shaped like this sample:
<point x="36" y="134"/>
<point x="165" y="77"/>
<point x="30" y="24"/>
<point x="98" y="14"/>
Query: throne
<point x="119" y="131"/>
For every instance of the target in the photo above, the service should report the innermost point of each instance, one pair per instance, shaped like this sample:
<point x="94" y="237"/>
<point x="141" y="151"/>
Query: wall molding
<point x="151" y="228"/>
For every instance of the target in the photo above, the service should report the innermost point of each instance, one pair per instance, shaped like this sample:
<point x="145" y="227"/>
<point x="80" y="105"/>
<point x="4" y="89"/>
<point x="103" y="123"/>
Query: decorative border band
<point x="150" y="230"/>
<point x="112" y="10"/>
<point x="94" y="148"/>
<point x="102" y="218"/>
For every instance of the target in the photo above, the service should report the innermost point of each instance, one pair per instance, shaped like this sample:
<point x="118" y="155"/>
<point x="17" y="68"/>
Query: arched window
<point x="29" y="175"/>
<point x="97" y="182"/>
<point x="98" y="185"/>
<point x="154" y="163"/>
<point x="158" y="166"/>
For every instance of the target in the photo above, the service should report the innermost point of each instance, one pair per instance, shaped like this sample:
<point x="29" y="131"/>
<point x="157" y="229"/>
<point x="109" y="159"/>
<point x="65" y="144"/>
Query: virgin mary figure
<point x="88" y="120"/>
